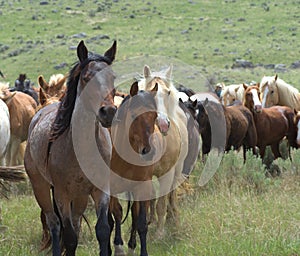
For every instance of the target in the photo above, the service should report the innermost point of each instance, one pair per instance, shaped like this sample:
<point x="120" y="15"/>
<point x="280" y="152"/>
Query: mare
<point x="172" y="123"/>
<point x="22" y="84"/>
<point x="4" y="131"/>
<point x="231" y="93"/>
<point x="272" y="124"/>
<point x="69" y="150"/>
<point x="211" y="116"/>
<point x="132" y="162"/>
<point x="56" y="87"/>
<point x="275" y="91"/>
<point x="21" y="108"/>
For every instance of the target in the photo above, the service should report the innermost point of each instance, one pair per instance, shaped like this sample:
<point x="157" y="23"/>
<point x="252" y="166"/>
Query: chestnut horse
<point x="22" y="108"/>
<point x="69" y="150"/>
<point x="56" y="86"/>
<point x="133" y="158"/>
<point x="272" y="124"/>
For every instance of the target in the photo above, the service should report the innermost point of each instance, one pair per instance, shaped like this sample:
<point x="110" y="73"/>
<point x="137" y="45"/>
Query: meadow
<point x="240" y="211"/>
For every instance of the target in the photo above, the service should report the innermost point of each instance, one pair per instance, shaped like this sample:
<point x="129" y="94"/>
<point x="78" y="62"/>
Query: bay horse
<point x="272" y="124"/>
<point x="134" y="137"/>
<point x="69" y="150"/>
<point x="275" y="91"/>
<point x="4" y="131"/>
<point x="22" y="108"/>
<point x="212" y="116"/>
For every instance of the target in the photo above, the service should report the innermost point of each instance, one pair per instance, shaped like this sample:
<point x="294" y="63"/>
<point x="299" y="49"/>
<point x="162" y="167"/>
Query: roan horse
<point x="272" y="124"/>
<point x="4" y="131"/>
<point x="275" y="91"/>
<point x="132" y="162"/>
<point x="58" y="143"/>
<point x="22" y="108"/>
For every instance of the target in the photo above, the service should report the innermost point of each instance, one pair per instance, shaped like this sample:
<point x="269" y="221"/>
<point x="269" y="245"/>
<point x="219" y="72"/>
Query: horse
<point x="275" y="91"/>
<point x="272" y="124"/>
<point x="56" y="86"/>
<point x="239" y="125"/>
<point x="69" y="150"/>
<point x="4" y="130"/>
<point x="22" y="84"/>
<point x="230" y="93"/>
<point x="172" y="123"/>
<point x="297" y="123"/>
<point x="133" y="160"/>
<point x="21" y="108"/>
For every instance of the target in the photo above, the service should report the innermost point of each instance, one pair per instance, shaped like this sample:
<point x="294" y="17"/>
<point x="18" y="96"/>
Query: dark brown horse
<point x="272" y="124"/>
<point x="132" y="162"/>
<point x="69" y="151"/>
<point x="223" y="127"/>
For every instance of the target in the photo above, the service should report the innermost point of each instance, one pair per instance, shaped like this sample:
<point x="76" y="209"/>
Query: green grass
<point x="240" y="211"/>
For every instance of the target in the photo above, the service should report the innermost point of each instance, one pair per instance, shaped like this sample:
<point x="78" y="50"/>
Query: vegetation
<point x="241" y="211"/>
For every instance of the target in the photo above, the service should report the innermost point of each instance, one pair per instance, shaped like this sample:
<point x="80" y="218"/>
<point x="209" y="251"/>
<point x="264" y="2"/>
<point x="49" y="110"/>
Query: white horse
<point x="275" y="91"/>
<point x="4" y="131"/>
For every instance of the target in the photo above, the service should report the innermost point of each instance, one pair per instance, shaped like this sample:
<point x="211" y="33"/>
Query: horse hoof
<point x="119" y="251"/>
<point x="160" y="234"/>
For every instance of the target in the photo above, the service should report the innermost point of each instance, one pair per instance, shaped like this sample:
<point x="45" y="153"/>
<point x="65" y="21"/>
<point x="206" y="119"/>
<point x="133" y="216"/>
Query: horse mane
<point x="4" y="86"/>
<point x="65" y="110"/>
<point x="288" y="93"/>
<point x="55" y="78"/>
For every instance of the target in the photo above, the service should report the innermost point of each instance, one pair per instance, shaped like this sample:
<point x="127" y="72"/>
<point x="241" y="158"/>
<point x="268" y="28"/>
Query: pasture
<point x="239" y="211"/>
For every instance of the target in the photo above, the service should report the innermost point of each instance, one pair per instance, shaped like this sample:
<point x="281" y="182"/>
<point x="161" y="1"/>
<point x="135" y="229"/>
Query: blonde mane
<point x="4" y="86"/>
<point x="288" y="95"/>
<point x="54" y="79"/>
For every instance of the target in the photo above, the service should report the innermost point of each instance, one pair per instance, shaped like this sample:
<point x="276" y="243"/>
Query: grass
<point x="240" y="211"/>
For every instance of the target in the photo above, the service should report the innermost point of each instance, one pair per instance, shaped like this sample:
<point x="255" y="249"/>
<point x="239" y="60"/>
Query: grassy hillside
<point x="240" y="211"/>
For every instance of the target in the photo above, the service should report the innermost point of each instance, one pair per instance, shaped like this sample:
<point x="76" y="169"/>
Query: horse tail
<point x="292" y="130"/>
<point x="127" y="212"/>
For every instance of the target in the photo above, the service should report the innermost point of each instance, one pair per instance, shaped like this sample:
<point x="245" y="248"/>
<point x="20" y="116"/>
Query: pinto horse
<point x="275" y="91"/>
<point x="132" y="162"/>
<point x="22" y="108"/>
<point x="69" y="150"/>
<point x="272" y="124"/>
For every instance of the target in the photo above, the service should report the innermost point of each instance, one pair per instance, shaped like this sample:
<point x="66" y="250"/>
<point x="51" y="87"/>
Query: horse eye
<point x="272" y="92"/>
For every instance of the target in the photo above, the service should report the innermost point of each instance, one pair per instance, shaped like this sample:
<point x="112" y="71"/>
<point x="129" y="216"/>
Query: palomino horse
<point x="172" y="123"/>
<point x="56" y="86"/>
<point x="231" y="93"/>
<point x="275" y="91"/>
<point x="238" y="121"/>
<point x="69" y="151"/>
<point x="272" y="124"/>
<point x="22" y="108"/>
<point x="133" y="160"/>
<point x="4" y="131"/>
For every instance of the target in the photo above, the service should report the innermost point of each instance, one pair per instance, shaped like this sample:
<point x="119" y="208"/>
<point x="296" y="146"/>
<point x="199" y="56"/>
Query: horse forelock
<point x="4" y="86"/>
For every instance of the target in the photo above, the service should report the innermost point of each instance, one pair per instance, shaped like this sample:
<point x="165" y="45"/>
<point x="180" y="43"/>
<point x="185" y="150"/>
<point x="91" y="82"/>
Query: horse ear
<point x="42" y="82"/>
<point x="205" y="103"/>
<point x="155" y="88"/>
<point x="134" y="89"/>
<point x="295" y="111"/>
<point x="195" y="103"/>
<point x="82" y="51"/>
<point x="42" y="97"/>
<point x="276" y="76"/>
<point x="245" y="86"/>
<point x="147" y="71"/>
<point x="169" y="72"/>
<point x="111" y="52"/>
<point x="180" y="100"/>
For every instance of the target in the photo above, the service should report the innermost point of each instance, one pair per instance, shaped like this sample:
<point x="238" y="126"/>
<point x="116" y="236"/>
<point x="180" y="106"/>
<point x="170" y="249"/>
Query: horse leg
<point x="117" y="211"/>
<point x="134" y="219"/>
<point x="14" y="151"/>
<point x="79" y="204"/>
<point x="161" y="208"/>
<point x="172" y="213"/>
<point x="275" y="150"/>
<point x="102" y="228"/>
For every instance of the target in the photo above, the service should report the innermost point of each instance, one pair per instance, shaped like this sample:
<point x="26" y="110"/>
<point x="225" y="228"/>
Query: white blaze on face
<point x="256" y="101"/>
<point x="264" y="100"/>
<point x="298" y="133"/>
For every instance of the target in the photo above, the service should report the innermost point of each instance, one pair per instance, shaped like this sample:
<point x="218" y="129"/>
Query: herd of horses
<point x="85" y="139"/>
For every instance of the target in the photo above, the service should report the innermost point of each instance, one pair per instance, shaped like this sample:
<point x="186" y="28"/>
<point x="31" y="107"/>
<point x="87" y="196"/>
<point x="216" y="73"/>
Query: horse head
<point x="252" y="98"/>
<point x="269" y="91"/>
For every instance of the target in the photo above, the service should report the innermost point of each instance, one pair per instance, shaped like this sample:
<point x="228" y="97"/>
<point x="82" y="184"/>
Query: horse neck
<point x="287" y="96"/>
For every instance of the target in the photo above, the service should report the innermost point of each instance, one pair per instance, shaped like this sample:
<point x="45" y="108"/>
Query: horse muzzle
<point x="163" y="125"/>
<point x="106" y="115"/>
<point x="258" y="108"/>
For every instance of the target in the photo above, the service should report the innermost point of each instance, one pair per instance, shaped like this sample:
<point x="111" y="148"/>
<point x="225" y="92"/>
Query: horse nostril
<point x="145" y="150"/>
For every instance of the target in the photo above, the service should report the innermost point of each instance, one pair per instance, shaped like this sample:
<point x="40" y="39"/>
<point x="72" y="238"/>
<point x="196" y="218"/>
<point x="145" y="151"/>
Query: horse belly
<point x="4" y="129"/>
